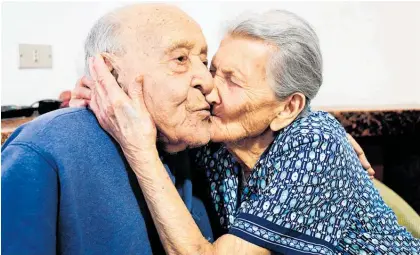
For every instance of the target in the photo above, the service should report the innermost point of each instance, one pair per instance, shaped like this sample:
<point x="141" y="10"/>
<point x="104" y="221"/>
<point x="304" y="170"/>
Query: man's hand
<point x="362" y="157"/>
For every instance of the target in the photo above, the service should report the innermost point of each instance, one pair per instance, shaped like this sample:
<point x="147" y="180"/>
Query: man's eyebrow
<point x="180" y="44"/>
<point x="184" y="44"/>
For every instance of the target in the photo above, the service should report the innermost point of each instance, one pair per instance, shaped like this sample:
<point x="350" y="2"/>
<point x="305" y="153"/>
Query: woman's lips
<point x="215" y="112"/>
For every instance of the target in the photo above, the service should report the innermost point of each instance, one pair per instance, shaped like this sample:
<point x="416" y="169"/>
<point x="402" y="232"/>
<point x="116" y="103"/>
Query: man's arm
<point x="29" y="201"/>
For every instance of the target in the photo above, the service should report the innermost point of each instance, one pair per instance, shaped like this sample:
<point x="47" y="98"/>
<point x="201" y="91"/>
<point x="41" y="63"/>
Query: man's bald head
<point x="168" y="49"/>
<point x="136" y="25"/>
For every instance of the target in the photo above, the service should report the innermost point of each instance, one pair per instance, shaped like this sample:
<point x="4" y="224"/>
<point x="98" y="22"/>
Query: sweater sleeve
<point x="29" y="193"/>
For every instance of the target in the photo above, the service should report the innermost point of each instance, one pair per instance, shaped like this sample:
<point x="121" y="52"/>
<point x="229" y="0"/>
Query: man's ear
<point x="288" y="111"/>
<point x="109" y="61"/>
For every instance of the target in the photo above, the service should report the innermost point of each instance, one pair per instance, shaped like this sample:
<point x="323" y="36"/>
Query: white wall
<point x="371" y="50"/>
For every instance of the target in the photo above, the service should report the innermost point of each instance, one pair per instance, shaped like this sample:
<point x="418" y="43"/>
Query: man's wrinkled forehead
<point x="191" y="44"/>
<point x="162" y="28"/>
<point x="179" y="35"/>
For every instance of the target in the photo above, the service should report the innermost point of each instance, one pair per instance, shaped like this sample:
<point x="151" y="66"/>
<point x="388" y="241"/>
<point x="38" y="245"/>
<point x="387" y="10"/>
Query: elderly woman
<point x="285" y="180"/>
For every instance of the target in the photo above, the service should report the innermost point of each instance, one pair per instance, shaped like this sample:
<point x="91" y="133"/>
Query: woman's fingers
<point x="361" y="154"/>
<point x="107" y="94"/>
<point x="136" y="93"/>
<point x="135" y="89"/>
<point x="74" y="102"/>
<point x="94" y="105"/>
<point x="92" y="71"/>
<point x="86" y="82"/>
<point x="120" y="114"/>
<point x="81" y="93"/>
<point x="105" y="78"/>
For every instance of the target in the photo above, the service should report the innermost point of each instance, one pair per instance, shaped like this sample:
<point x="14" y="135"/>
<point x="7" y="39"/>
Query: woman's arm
<point x="126" y="118"/>
<point x="176" y="227"/>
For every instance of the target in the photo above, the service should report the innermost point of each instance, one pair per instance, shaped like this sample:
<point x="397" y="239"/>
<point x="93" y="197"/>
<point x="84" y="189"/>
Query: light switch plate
<point x="35" y="56"/>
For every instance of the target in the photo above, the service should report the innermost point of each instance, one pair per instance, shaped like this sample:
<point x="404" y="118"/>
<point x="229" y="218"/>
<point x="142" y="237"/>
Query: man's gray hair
<point x="104" y="36"/>
<point x="296" y="65"/>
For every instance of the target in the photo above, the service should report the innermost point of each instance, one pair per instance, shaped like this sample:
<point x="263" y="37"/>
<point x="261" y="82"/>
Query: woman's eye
<point x="234" y="81"/>
<point x="206" y="63"/>
<point x="231" y="81"/>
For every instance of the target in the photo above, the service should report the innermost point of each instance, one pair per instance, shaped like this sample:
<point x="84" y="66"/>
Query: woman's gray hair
<point x="104" y="36"/>
<point x="296" y="65"/>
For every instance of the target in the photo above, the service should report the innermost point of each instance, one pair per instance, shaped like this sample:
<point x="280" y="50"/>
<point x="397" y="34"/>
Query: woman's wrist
<point x="142" y="157"/>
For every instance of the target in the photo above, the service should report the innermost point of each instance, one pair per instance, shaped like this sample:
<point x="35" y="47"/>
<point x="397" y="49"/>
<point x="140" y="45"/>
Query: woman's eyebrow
<point x="235" y="72"/>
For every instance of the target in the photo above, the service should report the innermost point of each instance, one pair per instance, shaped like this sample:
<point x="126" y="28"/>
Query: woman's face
<point x="243" y="102"/>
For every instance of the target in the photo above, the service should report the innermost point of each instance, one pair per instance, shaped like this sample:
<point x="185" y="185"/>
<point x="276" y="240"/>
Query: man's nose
<point x="202" y="79"/>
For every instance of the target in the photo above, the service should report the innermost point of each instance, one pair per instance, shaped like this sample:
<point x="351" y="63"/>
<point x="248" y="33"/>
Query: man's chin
<point x="191" y="142"/>
<point x="174" y="148"/>
<point x="196" y="145"/>
<point x="199" y="140"/>
<point x="191" y="136"/>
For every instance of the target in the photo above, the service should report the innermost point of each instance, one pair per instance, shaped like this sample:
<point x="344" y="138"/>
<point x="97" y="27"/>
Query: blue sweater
<point x="67" y="189"/>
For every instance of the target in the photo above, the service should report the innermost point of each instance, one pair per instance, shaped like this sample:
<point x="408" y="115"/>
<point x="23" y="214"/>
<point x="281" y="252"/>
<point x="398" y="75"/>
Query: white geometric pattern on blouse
<point x="311" y="181"/>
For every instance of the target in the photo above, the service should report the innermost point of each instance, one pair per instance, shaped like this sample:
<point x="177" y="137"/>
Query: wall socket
<point x="35" y="56"/>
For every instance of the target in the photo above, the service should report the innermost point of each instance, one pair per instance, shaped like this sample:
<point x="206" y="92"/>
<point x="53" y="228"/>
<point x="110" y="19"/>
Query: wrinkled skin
<point x="172" y="61"/>
<point x="246" y="104"/>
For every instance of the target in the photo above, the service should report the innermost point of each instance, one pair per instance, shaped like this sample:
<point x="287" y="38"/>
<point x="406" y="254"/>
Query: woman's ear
<point x="288" y="111"/>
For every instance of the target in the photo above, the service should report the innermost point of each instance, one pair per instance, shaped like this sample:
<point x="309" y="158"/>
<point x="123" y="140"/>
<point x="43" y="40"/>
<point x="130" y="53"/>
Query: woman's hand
<point x="122" y="115"/>
<point x="81" y="94"/>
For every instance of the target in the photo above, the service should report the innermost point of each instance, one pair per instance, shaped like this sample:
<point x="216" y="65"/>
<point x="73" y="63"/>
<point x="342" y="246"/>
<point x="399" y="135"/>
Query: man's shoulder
<point x="66" y="116"/>
<point x="64" y="125"/>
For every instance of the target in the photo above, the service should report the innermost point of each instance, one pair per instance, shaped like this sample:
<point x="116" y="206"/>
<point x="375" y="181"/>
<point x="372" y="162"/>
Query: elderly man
<point x="66" y="186"/>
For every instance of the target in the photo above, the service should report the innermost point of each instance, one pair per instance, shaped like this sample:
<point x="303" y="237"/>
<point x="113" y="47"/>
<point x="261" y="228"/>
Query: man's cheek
<point x="181" y="94"/>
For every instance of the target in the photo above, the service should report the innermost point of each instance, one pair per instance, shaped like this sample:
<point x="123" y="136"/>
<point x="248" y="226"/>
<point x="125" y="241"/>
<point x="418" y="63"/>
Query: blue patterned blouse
<point x="307" y="194"/>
